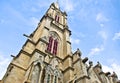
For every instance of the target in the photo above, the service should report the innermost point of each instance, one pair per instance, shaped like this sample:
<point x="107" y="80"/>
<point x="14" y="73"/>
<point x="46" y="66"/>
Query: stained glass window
<point x="57" y="18"/>
<point x="49" y="47"/>
<point x="52" y="45"/>
<point x="55" y="47"/>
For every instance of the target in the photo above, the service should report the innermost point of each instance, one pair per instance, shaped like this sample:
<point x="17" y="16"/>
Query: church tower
<point x="46" y="53"/>
<point x="46" y="56"/>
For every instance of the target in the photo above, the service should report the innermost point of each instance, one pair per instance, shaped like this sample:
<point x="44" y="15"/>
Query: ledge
<point x="101" y="73"/>
<point x="76" y="61"/>
<point x="22" y="51"/>
<point x="85" y="76"/>
<point x="57" y="25"/>
<point x="68" y="68"/>
<point x="16" y="65"/>
<point x="69" y="42"/>
<point x="68" y="56"/>
<point x="67" y="30"/>
<point x="41" y="39"/>
<point x="47" y="28"/>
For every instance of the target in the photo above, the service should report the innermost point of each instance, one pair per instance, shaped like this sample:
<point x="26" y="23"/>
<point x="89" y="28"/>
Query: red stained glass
<point x="57" y="18"/>
<point x="50" y="44"/>
<point x="55" y="47"/>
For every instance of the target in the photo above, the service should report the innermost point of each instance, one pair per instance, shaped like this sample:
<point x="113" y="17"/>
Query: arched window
<point x="36" y="73"/>
<point x="55" y="47"/>
<point x="57" y="18"/>
<point x="52" y="45"/>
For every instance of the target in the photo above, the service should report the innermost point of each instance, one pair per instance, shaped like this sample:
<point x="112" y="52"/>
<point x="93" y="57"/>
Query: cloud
<point x="96" y="50"/>
<point x="68" y="5"/>
<point x="100" y="48"/>
<point x="113" y="67"/>
<point x="75" y="41"/>
<point x="103" y="35"/>
<point x="101" y="19"/>
<point x="116" y="36"/>
<point x="101" y="24"/>
<point x="4" y="61"/>
<point x="107" y="68"/>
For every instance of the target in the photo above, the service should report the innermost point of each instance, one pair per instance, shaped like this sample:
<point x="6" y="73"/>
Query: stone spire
<point x="57" y="4"/>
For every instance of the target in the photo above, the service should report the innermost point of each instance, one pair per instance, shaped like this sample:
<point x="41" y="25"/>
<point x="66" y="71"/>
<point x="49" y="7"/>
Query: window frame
<point x="52" y="46"/>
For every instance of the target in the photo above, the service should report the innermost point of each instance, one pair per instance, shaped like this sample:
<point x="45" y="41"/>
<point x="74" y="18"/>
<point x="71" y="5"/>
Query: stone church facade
<point x="46" y="56"/>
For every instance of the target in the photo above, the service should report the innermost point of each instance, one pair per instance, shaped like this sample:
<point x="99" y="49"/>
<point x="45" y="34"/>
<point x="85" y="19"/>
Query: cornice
<point x="24" y="52"/>
<point x="28" y="40"/>
<point x="85" y="76"/>
<point x="19" y="66"/>
<point x="68" y="56"/>
<point x="76" y="61"/>
<point x="53" y="55"/>
<point x="67" y="30"/>
<point x="57" y="26"/>
<point x="47" y="28"/>
<point x="69" y="42"/>
<point x="68" y="68"/>
<point x="28" y="54"/>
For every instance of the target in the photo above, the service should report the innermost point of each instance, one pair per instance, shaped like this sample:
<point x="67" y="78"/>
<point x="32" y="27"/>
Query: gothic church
<point x="46" y="56"/>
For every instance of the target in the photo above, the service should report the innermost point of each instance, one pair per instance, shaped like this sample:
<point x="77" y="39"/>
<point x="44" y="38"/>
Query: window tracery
<point x="48" y="74"/>
<point x="36" y="73"/>
<point x="53" y="75"/>
<point x="52" y="46"/>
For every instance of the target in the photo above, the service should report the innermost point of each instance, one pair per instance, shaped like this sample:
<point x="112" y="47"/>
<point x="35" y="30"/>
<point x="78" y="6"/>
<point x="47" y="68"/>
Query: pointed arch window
<point x="36" y="74"/>
<point x="57" y="18"/>
<point x="55" y="47"/>
<point x="52" y="45"/>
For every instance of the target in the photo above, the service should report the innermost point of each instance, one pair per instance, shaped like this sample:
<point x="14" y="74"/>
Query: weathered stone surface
<point x="45" y="60"/>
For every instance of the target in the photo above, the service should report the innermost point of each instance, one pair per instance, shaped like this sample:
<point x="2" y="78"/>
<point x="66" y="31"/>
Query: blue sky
<point x="95" y="26"/>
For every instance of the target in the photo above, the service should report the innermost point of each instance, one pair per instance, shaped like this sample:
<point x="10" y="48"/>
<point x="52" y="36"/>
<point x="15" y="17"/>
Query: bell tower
<point x="53" y="27"/>
<point x="46" y="54"/>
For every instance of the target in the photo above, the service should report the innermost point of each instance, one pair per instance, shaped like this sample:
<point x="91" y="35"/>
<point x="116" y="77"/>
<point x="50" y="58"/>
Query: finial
<point x="78" y="52"/>
<point x="57" y="4"/>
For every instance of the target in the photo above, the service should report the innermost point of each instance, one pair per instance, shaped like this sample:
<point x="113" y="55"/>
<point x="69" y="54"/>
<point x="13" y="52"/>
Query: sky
<point x="95" y="26"/>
